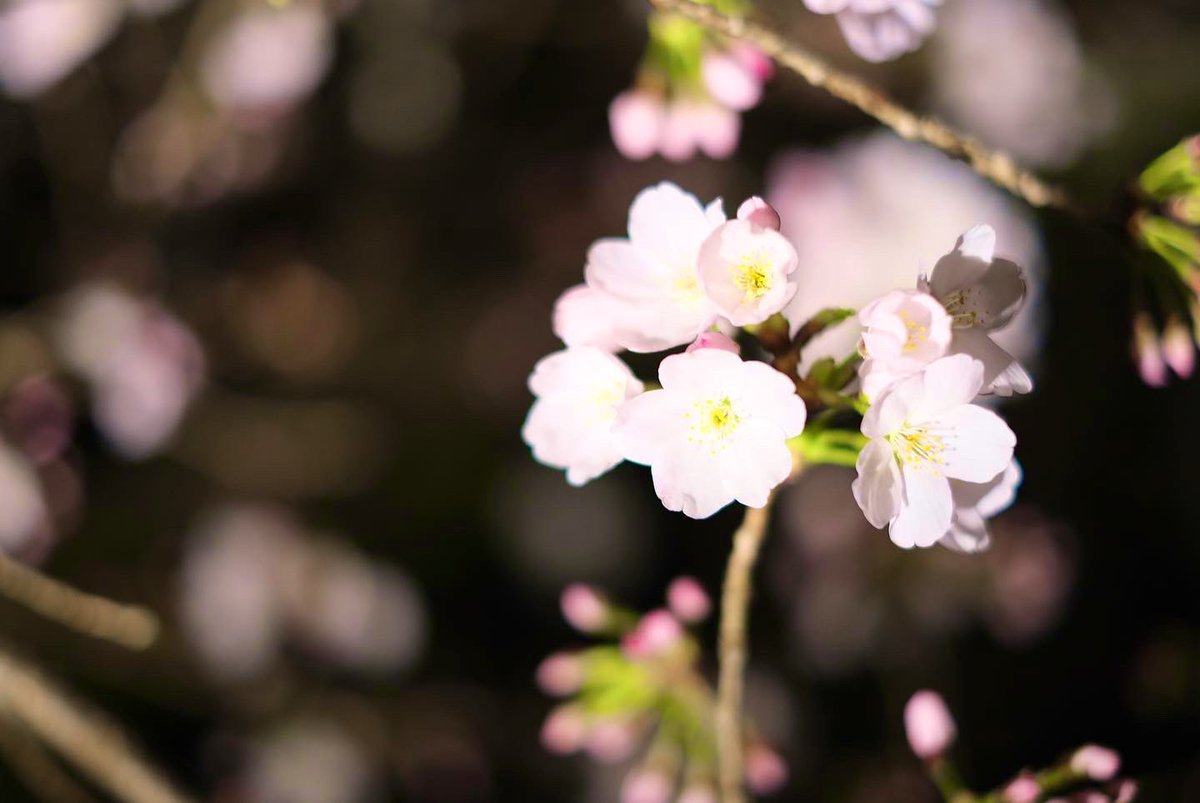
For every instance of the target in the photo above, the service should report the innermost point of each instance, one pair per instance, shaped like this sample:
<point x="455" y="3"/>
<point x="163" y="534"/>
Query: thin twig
<point x="130" y="626"/>
<point x="996" y="166"/>
<point x="735" y="599"/>
<point x="96" y="747"/>
<point x="39" y="771"/>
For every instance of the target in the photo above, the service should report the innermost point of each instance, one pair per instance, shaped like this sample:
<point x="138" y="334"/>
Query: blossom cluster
<point x="1088" y="774"/>
<point x="719" y="428"/>
<point x="647" y="682"/>
<point x="689" y="93"/>
<point x="881" y="30"/>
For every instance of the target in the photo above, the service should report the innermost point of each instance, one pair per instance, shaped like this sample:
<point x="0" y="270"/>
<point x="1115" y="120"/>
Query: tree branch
<point x="996" y="166"/>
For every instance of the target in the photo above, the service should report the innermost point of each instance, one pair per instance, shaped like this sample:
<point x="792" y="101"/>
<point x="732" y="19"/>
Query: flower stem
<point x="735" y="600"/>
<point x="997" y="167"/>
<point x="131" y="626"/>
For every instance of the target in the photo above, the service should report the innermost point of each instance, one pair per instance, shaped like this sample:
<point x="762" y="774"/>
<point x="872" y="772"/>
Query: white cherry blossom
<point x="903" y="332"/>
<point x="652" y="275"/>
<point x="924" y="433"/>
<point x="975" y="503"/>
<point x="578" y="392"/>
<point x="716" y="432"/>
<point x="745" y="266"/>
<point x="879" y="30"/>
<point x="982" y="294"/>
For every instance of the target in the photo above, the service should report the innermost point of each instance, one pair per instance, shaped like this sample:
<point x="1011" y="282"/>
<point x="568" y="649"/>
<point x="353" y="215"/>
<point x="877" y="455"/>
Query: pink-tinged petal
<point x="760" y="213"/>
<point x="714" y="213"/>
<point x="646" y="426"/>
<point x="680" y="135"/>
<point x="744" y="270"/>
<point x="714" y="340"/>
<point x="668" y="224"/>
<point x="685" y="481"/>
<point x="878" y="489"/>
<point x="979" y="445"/>
<point x="882" y="36"/>
<point x="718" y="130"/>
<point x="757" y="62"/>
<point x="946" y="384"/>
<point x="701" y="372"/>
<point x="770" y="395"/>
<point x="928" y="725"/>
<point x="755" y="462"/>
<point x="635" y="120"/>
<point x="730" y="81"/>
<point x="1002" y="374"/>
<point x="926" y="511"/>
<point x="905" y="328"/>
<point x="688" y="600"/>
<point x="624" y="271"/>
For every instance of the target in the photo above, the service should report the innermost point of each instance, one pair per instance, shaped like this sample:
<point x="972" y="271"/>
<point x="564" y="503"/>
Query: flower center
<point x="918" y="333"/>
<point x="753" y="277"/>
<point x="686" y="287"/>
<point x="916" y="447"/>
<point x="712" y="422"/>
<point x="956" y="305"/>
<point x="604" y="401"/>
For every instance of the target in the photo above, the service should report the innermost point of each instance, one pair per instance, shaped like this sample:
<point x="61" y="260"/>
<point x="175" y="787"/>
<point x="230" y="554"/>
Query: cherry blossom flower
<point x="924" y="433"/>
<point x="652" y="275"/>
<point x="744" y="267"/>
<point x="584" y="316"/>
<point x="903" y="332"/>
<point x="578" y="392"/>
<point x="880" y="30"/>
<point x="981" y="294"/>
<point x="716" y="432"/>
<point x="975" y="503"/>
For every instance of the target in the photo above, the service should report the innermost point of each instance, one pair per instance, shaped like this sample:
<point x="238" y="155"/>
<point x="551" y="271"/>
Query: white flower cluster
<point x="933" y="465"/>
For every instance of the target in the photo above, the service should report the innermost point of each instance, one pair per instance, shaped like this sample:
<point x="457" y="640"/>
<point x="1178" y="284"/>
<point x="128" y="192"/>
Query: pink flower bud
<point x="755" y="60"/>
<point x="766" y="772"/>
<point x="731" y="81"/>
<point x="760" y="213"/>
<point x="635" y="120"/>
<point x="679" y="137"/>
<point x="564" y="731"/>
<point x="1024" y="789"/>
<point x="612" y="741"/>
<point x="1178" y="348"/>
<point x="560" y="674"/>
<point x="712" y="340"/>
<point x="686" y="598"/>
<point x="698" y="794"/>
<point x="1126" y="792"/>
<point x="1095" y="762"/>
<point x="656" y="633"/>
<point x="583" y="608"/>
<point x="645" y="786"/>
<point x="1147" y="353"/>
<point x="929" y="726"/>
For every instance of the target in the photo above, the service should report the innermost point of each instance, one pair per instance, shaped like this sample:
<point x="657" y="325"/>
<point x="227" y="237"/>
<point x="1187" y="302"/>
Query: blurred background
<point x="275" y="273"/>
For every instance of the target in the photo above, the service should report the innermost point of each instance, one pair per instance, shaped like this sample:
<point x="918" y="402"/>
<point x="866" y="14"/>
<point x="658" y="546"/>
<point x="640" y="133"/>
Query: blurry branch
<point x="130" y="626"/>
<point x="735" y="600"/>
<point x="96" y="747"/>
<point x="40" y="773"/>
<point x="997" y="167"/>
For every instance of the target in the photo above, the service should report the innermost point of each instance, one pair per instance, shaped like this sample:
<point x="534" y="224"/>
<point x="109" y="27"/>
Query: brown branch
<point x="996" y="166"/>
<point x="130" y="626"/>
<point x="735" y="600"/>
<point x="96" y="747"/>
<point x="39" y="771"/>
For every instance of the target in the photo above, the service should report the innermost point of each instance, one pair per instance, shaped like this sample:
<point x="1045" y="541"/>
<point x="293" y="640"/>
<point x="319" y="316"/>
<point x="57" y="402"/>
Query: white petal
<point x="944" y="385"/>
<point x="701" y="372"/>
<point x="968" y="533"/>
<point x="877" y="489"/>
<point x="689" y="480"/>
<point x="648" y="424"/>
<point x="978" y="242"/>
<point x="926" y="512"/>
<point x="619" y="268"/>
<point x="770" y="395"/>
<point x="714" y="213"/>
<point x="669" y="224"/>
<point x="979" y="446"/>
<point x="584" y="316"/>
<point x="826" y="6"/>
<point x="1002" y="491"/>
<point x="756" y="462"/>
<point x="1002" y="374"/>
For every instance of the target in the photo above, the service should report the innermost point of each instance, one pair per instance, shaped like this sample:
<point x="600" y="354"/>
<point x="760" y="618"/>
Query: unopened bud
<point x="657" y="632"/>
<point x="612" y="740"/>
<point x="564" y="731"/>
<point x="1178" y="348"/>
<point x="1023" y="789"/>
<point x="645" y="786"/>
<point x="584" y="608"/>
<point x="766" y="771"/>
<point x="688" y="600"/>
<point x="928" y="724"/>
<point x="560" y="674"/>
<point x="714" y="340"/>
<point x="1147" y="352"/>
<point x="1095" y="762"/>
<point x="1126" y="792"/>
<point x="698" y="794"/>
<point x="760" y="213"/>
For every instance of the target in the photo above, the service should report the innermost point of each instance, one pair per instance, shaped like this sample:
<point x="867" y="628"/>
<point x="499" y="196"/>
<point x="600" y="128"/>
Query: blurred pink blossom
<point x="584" y="608"/>
<point x="560" y="674"/>
<point x="688" y="600"/>
<point x="1096" y="762"/>
<point x="646" y="786"/>
<point x="636" y="118"/>
<point x="766" y="772"/>
<point x="656" y="632"/>
<point x="928" y="725"/>
<point x="564" y="730"/>
<point x="41" y="41"/>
